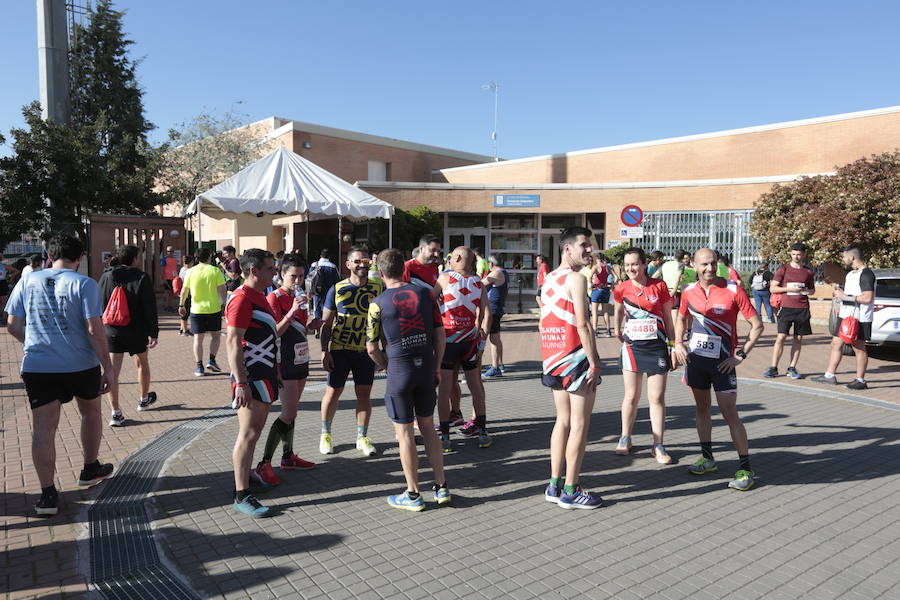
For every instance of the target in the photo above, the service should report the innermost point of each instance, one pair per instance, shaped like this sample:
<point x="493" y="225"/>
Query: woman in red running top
<point x="644" y="307"/>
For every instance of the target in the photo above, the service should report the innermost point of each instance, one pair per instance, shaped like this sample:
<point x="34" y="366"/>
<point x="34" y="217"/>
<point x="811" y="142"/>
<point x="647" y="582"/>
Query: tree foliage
<point x="856" y="205"/>
<point x="205" y="151"/>
<point x="100" y="161"/>
<point x="409" y="227"/>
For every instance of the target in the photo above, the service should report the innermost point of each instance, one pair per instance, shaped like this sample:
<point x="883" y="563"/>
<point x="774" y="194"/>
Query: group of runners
<point x="422" y="324"/>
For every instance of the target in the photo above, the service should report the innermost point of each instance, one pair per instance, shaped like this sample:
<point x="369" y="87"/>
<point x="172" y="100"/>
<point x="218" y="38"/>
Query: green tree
<point x="856" y="205"/>
<point x="409" y="227"/>
<point x="204" y="152"/>
<point x="100" y="161"/>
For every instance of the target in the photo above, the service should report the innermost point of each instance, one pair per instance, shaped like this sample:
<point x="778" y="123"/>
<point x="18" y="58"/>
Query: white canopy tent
<point x="283" y="182"/>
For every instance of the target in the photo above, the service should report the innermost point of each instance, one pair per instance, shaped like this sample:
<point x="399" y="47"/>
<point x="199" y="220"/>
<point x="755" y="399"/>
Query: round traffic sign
<point x="632" y="215"/>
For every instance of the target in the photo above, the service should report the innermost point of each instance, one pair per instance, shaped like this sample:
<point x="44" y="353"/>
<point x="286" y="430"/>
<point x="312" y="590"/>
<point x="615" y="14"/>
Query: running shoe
<point x="609" y="333"/>
<point x="484" y="439"/>
<point x="147" y="402"/>
<point x="502" y="369"/>
<point x="856" y="384"/>
<point x="94" y="473"/>
<point x="771" y="372"/>
<point x="404" y="502"/>
<point x="213" y="366"/>
<point x="469" y="429"/>
<point x="117" y="420"/>
<point x="743" y="480"/>
<point x="251" y="507"/>
<point x="580" y="499"/>
<point x="441" y="494"/>
<point x="257" y="485"/>
<point x="189" y="333"/>
<point x="325" y="444"/>
<point x="702" y="466"/>
<point x="492" y="372"/>
<point x="456" y="419"/>
<point x="199" y="372"/>
<point x="295" y="463"/>
<point x="822" y="379"/>
<point x="793" y="373"/>
<point x="265" y="472"/>
<point x="182" y="333"/>
<point x="552" y="493"/>
<point x="365" y="445"/>
<point x="445" y="444"/>
<point x="47" y="504"/>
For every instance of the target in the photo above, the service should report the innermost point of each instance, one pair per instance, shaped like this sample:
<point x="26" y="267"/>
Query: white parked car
<point x="886" y="320"/>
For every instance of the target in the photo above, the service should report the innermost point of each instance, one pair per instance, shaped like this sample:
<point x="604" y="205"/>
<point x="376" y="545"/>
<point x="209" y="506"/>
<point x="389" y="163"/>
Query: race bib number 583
<point x="706" y="345"/>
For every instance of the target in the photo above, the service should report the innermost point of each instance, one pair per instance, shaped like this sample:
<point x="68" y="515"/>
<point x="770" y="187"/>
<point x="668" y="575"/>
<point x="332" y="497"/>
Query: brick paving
<point x="821" y="523"/>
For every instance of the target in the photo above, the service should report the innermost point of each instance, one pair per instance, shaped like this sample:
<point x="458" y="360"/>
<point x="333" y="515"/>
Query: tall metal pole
<point x="494" y="87"/>
<point x="53" y="59"/>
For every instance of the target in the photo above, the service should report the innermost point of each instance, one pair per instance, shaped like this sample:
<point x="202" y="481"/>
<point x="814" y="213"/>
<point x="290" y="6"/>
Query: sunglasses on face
<point x="365" y="262"/>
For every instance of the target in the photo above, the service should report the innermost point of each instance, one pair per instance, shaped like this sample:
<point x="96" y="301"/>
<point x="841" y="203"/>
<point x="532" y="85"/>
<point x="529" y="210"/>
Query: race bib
<point x="706" y="345"/>
<point x="641" y="329"/>
<point x="301" y="353"/>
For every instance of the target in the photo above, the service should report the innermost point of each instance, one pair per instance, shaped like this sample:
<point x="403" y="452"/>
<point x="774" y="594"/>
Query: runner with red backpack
<point x="131" y="324"/>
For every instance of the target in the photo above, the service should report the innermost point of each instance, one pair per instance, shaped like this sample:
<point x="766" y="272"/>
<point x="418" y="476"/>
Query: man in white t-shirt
<point x="857" y="299"/>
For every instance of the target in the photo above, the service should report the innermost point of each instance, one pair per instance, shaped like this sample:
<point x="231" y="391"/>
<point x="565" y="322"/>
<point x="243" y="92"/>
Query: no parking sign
<point x="632" y="215"/>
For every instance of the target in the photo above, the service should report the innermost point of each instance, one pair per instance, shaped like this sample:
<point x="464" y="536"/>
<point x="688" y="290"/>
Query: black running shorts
<point x="44" y="388"/>
<point x="351" y="361"/>
<point x="464" y="354"/>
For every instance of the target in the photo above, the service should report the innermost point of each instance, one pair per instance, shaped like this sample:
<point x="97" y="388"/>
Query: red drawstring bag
<point x="116" y="313"/>
<point x="849" y="330"/>
<point x="775" y="300"/>
<point x="177" y="285"/>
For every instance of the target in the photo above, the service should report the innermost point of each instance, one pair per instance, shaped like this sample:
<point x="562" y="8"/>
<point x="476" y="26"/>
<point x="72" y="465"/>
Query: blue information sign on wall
<point x="516" y="200"/>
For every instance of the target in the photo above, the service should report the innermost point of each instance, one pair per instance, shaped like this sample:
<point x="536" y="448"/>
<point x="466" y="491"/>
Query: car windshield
<point x="888" y="288"/>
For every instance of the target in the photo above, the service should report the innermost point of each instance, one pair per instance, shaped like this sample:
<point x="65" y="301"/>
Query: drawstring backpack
<point x="117" y="313"/>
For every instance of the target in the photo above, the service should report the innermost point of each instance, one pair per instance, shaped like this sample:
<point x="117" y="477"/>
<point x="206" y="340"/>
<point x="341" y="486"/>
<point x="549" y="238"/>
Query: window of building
<point x="378" y="170"/>
<point x="560" y="221"/>
<point x="512" y="222"/>
<point x="466" y="220"/>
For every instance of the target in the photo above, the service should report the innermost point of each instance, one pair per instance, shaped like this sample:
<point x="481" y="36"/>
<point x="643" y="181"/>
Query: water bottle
<point x="299" y="293"/>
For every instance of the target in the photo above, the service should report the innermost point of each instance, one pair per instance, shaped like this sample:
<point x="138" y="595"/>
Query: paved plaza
<point x="822" y="522"/>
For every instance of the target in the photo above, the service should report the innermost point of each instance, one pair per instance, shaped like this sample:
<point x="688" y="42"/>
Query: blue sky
<point x="573" y="75"/>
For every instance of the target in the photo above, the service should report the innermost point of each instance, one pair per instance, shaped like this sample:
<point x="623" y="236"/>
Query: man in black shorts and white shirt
<point x="857" y="299"/>
<point x="795" y="281"/>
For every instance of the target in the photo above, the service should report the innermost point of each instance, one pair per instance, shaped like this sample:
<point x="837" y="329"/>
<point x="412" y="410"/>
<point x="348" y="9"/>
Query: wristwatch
<point x="740" y="353"/>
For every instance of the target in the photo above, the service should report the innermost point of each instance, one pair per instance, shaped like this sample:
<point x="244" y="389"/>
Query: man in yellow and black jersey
<point x="344" y="348"/>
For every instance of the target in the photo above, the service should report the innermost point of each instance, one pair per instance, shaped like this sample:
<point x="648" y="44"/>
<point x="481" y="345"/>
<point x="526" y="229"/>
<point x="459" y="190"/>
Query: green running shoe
<point x="743" y="480"/>
<point x="702" y="466"/>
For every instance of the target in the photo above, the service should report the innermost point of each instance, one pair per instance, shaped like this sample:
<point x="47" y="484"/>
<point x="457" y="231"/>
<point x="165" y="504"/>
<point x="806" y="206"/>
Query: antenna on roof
<point x="495" y="87"/>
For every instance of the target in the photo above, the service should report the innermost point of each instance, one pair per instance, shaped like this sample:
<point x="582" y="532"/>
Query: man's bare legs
<point x="251" y="420"/>
<point x="409" y="456"/>
<point x="569" y="437"/>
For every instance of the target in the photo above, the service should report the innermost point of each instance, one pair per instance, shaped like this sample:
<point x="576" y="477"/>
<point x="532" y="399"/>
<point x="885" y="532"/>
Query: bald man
<point x="711" y="355"/>
<point x="466" y="318"/>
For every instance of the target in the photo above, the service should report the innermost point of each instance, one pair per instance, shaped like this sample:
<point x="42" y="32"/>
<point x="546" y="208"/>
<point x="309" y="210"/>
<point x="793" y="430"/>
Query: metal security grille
<point x="727" y="231"/>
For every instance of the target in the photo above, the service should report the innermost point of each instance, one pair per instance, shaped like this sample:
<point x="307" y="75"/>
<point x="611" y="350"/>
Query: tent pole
<point x="308" y="254"/>
<point x="339" y="261"/>
<point x="199" y="232"/>
<point x="390" y="230"/>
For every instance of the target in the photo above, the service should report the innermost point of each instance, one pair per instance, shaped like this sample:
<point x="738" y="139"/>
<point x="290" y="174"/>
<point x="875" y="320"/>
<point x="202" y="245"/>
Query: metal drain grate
<point x="124" y="560"/>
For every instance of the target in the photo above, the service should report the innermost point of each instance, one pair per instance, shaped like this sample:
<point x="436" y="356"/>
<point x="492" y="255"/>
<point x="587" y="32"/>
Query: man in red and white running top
<point x="571" y="367"/>
<point x="711" y="355"/>
<point x="466" y="318"/>
<point x="252" y="344"/>
<point x="423" y="270"/>
<point x="542" y="270"/>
